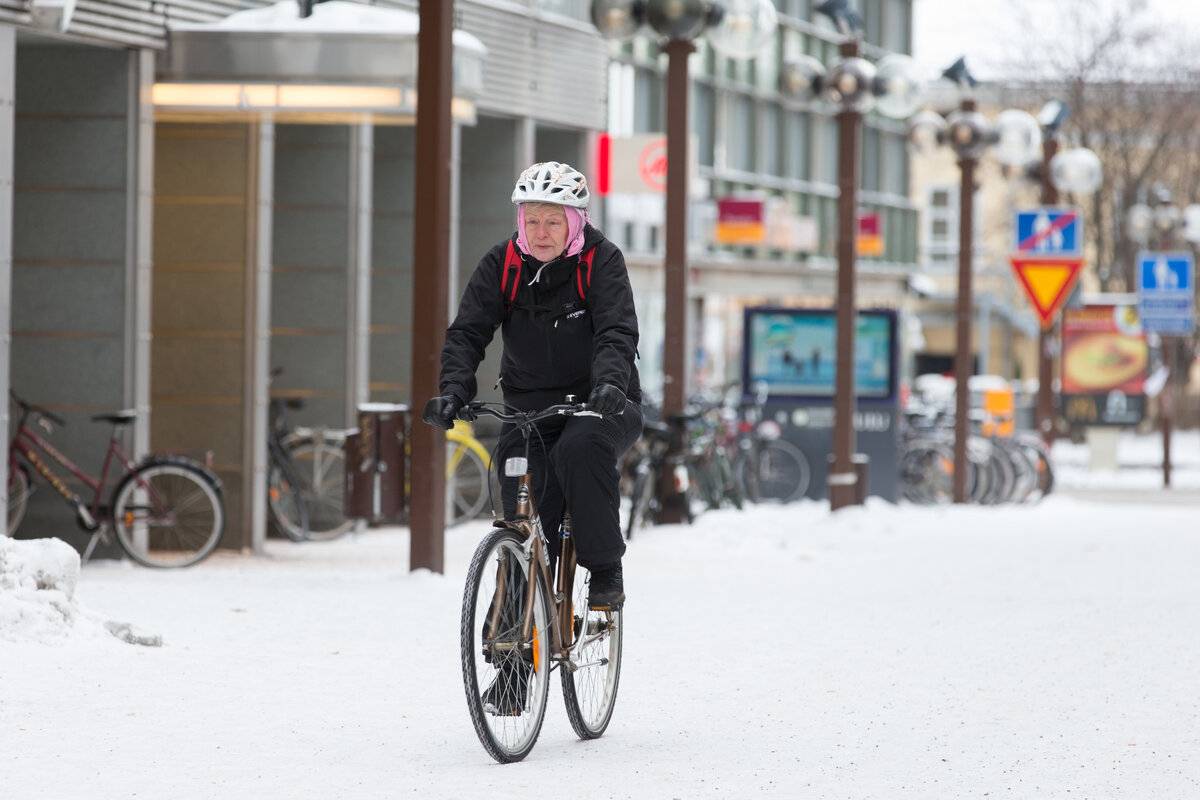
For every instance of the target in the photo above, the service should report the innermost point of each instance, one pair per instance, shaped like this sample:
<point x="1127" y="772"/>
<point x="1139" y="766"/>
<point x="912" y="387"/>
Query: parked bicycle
<point x="770" y="468"/>
<point x="167" y="511"/>
<point x="645" y="465"/>
<point x="515" y="630"/>
<point x="306" y="481"/>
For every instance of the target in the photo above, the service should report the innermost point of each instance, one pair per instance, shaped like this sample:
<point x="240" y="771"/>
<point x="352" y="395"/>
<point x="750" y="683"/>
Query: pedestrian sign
<point x="1166" y="292"/>
<point x="1048" y="282"/>
<point x="1049" y="231"/>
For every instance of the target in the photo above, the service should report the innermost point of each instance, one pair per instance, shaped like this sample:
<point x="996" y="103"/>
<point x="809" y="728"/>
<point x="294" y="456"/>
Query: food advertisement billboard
<point x="1104" y="362"/>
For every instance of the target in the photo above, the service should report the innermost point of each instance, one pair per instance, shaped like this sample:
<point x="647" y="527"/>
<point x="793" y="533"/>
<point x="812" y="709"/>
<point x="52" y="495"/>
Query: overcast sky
<point x="986" y="32"/>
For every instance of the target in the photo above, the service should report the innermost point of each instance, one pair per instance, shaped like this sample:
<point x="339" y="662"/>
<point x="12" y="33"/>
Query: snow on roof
<point x="336" y="16"/>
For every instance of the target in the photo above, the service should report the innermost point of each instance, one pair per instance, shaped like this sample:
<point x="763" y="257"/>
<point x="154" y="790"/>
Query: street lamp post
<point x="738" y="29"/>
<point x="1015" y="137"/>
<point x="854" y="86"/>
<point x="1076" y="171"/>
<point x="1168" y="221"/>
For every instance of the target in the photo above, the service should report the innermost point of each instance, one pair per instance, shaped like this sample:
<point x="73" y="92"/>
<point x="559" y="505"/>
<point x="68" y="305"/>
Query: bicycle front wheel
<point x="168" y="514"/>
<point x="467" y="473"/>
<point x="320" y="465"/>
<point x="782" y="472"/>
<point x="506" y="674"/>
<point x="18" y="496"/>
<point x="590" y="681"/>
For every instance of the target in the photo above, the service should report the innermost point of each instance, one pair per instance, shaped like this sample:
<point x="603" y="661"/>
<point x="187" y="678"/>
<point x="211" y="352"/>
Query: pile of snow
<point x="37" y="596"/>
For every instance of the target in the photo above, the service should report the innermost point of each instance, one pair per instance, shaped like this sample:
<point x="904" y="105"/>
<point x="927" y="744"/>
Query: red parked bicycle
<point x="167" y="510"/>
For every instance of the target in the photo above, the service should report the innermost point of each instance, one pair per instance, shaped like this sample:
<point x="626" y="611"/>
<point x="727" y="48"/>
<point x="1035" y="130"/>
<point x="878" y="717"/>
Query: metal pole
<point x="963" y="356"/>
<point x="842" y="477"/>
<point x="431" y="270"/>
<point x="1048" y="337"/>
<point x="1165" y="406"/>
<point x="675" y="341"/>
<point x="1166" y="401"/>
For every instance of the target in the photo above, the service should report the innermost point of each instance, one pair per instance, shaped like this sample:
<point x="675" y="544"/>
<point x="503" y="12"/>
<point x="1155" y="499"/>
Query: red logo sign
<point x="652" y="165"/>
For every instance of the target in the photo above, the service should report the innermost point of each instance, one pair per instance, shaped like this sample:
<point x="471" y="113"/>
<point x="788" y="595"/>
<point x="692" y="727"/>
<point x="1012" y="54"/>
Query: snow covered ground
<point x="879" y="652"/>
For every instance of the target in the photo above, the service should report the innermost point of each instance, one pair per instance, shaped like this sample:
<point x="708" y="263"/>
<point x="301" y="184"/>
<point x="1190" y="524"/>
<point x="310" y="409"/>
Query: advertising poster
<point x="1104" y="362"/>
<point x="795" y="352"/>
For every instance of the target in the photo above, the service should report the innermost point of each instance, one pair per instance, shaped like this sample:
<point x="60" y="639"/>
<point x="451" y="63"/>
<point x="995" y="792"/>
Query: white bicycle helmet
<point x="552" y="182"/>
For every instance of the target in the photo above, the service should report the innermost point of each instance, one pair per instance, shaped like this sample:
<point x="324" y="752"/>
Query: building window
<point x="704" y="122"/>
<point x="894" y="164"/>
<point x="742" y="125"/>
<point x="796" y="144"/>
<point x="647" y="102"/>
<point x="771" y="132"/>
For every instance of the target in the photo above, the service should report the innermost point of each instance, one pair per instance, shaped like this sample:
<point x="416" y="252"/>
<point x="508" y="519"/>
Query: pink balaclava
<point x="577" y="220"/>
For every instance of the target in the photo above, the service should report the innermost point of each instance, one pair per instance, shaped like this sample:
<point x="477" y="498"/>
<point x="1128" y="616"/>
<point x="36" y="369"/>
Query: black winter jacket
<point x="555" y="344"/>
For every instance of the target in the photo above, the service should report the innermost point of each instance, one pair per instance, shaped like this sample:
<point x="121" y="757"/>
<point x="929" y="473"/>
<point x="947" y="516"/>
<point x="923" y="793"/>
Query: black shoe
<point x="506" y="696"/>
<point x="607" y="591"/>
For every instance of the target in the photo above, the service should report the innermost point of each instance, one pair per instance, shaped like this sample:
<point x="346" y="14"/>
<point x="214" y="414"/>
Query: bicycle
<point x="312" y="462"/>
<point x="285" y="497"/>
<point x="514" y="630"/>
<point x="646" y="463"/>
<point x="168" y="510"/>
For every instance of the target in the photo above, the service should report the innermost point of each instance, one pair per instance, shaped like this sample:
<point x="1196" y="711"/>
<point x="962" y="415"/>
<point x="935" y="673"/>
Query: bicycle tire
<point x="642" y="500"/>
<point x="467" y="472"/>
<point x="782" y="472"/>
<point x="285" y="499"/>
<point x="590" y="689"/>
<point x="181" y="527"/>
<point x="18" y="496"/>
<point x="927" y="473"/>
<point x="321" y="467"/>
<point x="490" y="661"/>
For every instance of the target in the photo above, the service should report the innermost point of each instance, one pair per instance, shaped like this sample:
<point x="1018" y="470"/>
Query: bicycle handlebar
<point x="523" y="419"/>
<point x="30" y="407"/>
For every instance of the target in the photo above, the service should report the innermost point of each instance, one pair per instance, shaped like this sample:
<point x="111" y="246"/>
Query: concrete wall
<point x="202" y="246"/>
<point x="71" y="252"/>
<point x="391" y="264"/>
<point x="309" y="287"/>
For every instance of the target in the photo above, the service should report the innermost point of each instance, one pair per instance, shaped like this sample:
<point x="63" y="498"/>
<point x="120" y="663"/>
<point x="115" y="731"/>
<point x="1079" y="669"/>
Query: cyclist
<point x="559" y="291"/>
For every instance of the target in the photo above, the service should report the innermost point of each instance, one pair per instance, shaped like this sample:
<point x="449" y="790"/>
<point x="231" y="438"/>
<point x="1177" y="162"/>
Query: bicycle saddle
<point x="124" y="417"/>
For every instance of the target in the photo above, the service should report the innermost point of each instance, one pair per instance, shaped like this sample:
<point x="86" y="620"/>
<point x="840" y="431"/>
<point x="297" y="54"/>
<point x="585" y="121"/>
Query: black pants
<point x="584" y="456"/>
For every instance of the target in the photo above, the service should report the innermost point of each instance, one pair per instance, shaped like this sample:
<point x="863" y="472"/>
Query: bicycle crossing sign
<point x="1049" y="231"/>
<point x="1166" y="292"/>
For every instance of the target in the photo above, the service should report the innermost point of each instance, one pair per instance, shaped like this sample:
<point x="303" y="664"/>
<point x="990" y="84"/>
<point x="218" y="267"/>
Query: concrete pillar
<point x="258" y="324"/>
<point x="140" y="248"/>
<point x="8" y="68"/>
<point x="358" y="269"/>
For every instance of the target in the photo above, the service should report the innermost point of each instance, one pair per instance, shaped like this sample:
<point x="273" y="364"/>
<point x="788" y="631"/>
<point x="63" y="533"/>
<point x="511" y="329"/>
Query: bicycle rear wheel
<point x="168" y="514"/>
<point x="285" y="499"/>
<point x="506" y="679"/>
<point x="18" y="496"/>
<point x="590" y="687"/>
<point x="321" y="467"/>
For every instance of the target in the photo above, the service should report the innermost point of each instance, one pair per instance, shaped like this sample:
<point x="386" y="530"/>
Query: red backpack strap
<point x="512" y="261"/>
<point x="583" y="275"/>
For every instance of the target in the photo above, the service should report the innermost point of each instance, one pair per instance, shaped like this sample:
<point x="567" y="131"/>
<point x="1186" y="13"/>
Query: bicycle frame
<point x="565" y="646"/>
<point x="28" y="443"/>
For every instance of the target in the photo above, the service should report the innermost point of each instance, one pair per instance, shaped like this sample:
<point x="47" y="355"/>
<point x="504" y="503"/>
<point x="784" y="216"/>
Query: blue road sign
<point x="1048" y="231"/>
<point x="1166" y="291"/>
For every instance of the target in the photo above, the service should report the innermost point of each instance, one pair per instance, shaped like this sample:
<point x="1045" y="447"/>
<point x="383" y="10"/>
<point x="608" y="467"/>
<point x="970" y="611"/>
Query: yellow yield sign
<point x="1048" y="282"/>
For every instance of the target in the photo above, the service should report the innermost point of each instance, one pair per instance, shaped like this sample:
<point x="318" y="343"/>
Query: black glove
<point x="441" y="411"/>
<point x="607" y="399"/>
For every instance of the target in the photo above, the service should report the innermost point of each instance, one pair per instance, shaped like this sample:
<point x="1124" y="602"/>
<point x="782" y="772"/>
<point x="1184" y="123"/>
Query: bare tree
<point x="1129" y="81"/>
